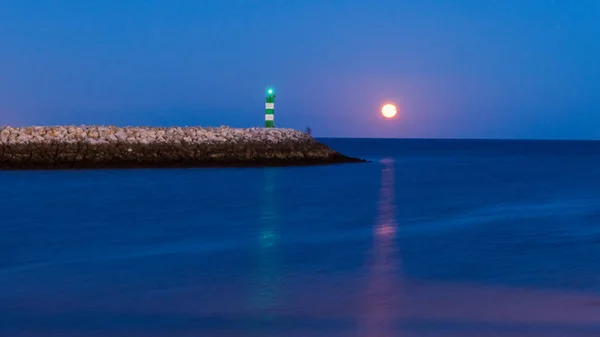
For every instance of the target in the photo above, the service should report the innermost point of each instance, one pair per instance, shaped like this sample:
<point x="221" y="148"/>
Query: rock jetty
<point x="75" y="147"/>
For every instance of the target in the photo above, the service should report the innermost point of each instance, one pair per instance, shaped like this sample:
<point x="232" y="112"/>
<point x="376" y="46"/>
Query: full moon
<point x="388" y="110"/>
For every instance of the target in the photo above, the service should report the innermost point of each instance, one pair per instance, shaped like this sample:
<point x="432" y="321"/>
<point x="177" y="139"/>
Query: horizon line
<point x="470" y="139"/>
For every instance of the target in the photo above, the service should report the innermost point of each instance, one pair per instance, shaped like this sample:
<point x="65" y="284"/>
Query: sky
<point x="455" y="69"/>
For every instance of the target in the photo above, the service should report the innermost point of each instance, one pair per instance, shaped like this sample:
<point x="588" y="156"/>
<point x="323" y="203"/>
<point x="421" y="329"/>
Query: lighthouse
<point x="270" y="109"/>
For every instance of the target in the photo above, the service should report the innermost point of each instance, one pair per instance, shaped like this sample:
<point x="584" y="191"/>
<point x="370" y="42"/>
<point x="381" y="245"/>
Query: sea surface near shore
<point x="432" y="238"/>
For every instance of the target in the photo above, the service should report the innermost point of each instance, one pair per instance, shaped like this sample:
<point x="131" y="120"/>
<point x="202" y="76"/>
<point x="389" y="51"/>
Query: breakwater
<point x="73" y="147"/>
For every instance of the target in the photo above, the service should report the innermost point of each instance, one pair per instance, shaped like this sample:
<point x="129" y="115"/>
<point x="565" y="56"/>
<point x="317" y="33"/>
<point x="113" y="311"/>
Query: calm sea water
<point x="432" y="238"/>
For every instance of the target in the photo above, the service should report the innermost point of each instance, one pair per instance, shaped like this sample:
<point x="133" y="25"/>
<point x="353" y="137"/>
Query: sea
<point x="469" y="238"/>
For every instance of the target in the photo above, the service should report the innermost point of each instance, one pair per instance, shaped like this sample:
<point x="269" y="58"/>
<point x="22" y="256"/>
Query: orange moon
<point x="389" y="111"/>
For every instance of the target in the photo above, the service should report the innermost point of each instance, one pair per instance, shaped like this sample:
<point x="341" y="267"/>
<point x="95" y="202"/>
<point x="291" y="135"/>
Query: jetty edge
<point x="91" y="147"/>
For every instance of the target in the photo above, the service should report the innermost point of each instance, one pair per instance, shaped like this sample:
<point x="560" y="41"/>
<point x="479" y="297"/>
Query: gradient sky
<point x="457" y="69"/>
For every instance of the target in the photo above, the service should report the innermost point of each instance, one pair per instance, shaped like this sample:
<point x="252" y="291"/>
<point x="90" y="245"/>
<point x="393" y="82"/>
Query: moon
<point x="389" y="111"/>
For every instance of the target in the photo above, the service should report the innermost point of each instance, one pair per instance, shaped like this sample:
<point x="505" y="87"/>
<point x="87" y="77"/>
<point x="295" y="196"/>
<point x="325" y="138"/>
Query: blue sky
<point x="456" y="69"/>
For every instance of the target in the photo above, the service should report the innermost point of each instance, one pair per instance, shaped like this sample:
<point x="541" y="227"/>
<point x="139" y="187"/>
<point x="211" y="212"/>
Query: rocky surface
<point x="62" y="147"/>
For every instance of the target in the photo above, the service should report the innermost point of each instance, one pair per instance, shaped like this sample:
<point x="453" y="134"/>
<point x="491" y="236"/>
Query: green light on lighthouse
<point x="270" y="109"/>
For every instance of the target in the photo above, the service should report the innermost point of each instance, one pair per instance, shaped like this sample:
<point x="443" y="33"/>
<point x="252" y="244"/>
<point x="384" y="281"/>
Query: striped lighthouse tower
<point x="270" y="109"/>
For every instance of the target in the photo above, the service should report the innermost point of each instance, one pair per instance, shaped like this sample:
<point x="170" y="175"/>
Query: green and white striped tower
<point x="270" y="109"/>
